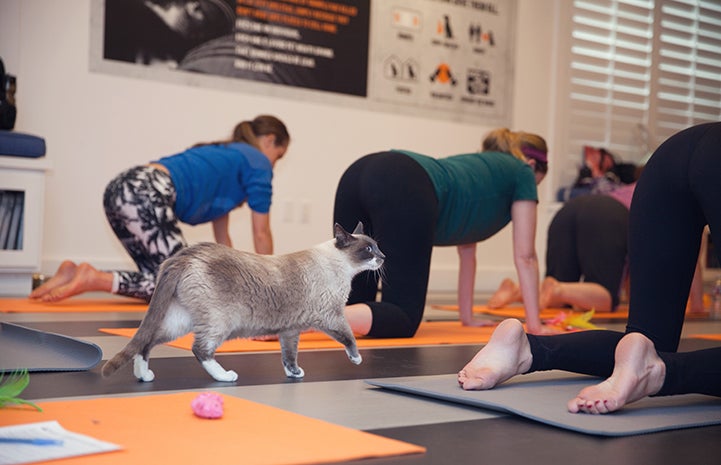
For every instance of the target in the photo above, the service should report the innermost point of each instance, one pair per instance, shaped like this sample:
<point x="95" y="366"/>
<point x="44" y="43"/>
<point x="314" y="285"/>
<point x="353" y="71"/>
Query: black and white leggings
<point x="139" y="204"/>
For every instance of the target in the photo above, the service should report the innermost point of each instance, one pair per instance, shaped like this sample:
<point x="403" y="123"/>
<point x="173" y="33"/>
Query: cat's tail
<point x="148" y="334"/>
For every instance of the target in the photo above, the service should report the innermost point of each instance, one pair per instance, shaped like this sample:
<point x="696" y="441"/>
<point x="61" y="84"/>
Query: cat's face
<point x="361" y="249"/>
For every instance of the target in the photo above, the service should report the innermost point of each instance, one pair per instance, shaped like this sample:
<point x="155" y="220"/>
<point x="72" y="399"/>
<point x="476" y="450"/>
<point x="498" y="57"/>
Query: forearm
<point x="466" y="286"/>
<point x="523" y="214"/>
<point x="466" y="283"/>
<point x="263" y="243"/>
<point x="221" y="232"/>
<point x="528" y="276"/>
<point x="262" y="237"/>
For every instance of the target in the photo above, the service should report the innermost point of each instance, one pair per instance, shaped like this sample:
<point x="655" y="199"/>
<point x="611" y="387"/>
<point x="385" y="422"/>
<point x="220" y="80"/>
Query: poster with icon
<point x="448" y="59"/>
<point x="445" y="57"/>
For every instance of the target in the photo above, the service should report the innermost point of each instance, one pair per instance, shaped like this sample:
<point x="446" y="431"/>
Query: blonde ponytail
<point x="504" y="140"/>
<point x="522" y="145"/>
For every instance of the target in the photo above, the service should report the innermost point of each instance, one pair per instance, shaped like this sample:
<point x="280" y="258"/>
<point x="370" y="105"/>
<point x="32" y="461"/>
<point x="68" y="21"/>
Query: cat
<point x="220" y="293"/>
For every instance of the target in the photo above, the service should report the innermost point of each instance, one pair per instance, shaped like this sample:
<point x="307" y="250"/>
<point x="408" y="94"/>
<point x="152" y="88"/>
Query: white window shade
<point x="688" y="85"/>
<point x="610" y="76"/>
<point x="640" y="71"/>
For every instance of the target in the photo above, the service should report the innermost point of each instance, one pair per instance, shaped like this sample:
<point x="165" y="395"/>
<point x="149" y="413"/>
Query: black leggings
<point x="588" y="238"/>
<point x="394" y="198"/>
<point x="678" y="194"/>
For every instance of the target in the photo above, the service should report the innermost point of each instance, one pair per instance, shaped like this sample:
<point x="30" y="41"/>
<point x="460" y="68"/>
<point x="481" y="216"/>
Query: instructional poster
<point x="440" y="58"/>
<point x="450" y="57"/>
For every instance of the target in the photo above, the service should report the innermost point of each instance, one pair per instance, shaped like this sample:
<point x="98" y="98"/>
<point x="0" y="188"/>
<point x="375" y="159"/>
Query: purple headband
<point x="534" y="153"/>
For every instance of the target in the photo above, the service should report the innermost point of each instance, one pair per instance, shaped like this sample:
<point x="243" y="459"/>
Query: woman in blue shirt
<point x="411" y="203"/>
<point x="145" y="204"/>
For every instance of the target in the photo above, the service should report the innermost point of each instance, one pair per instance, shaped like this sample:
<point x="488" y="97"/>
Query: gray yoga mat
<point x="543" y="396"/>
<point x="33" y="350"/>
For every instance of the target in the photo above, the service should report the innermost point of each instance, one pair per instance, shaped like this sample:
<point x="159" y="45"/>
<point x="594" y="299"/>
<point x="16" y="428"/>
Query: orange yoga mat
<point x="429" y="333"/>
<point x="710" y="337"/>
<point x="546" y="314"/>
<point x="73" y="305"/>
<point x="162" y="429"/>
<point x="550" y="313"/>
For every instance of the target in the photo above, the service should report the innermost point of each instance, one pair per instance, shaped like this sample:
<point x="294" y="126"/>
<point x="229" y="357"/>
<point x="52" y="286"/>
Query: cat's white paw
<point x="355" y="360"/>
<point x="297" y="373"/>
<point x="141" y="370"/>
<point x="218" y="372"/>
<point x="227" y="377"/>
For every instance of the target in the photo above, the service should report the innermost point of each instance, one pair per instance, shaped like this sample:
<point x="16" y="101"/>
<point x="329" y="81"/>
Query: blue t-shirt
<point x="475" y="192"/>
<point x="212" y="180"/>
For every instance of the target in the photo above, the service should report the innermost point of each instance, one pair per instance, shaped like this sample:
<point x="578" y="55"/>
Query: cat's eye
<point x="369" y="248"/>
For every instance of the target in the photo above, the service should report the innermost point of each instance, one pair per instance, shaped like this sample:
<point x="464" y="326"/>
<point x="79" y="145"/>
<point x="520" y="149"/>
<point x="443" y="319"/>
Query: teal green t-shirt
<point x="475" y="192"/>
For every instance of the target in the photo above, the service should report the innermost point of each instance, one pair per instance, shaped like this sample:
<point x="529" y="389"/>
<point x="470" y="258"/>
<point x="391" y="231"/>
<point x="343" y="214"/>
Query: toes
<point x="573" y="406"/>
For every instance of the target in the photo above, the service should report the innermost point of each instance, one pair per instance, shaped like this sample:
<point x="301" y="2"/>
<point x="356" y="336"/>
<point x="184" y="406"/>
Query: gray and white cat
<point x="220" y="293"/>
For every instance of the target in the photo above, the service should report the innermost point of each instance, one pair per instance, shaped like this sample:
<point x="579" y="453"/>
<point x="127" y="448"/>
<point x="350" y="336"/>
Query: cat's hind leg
<point x="289" y="354"/>
<point x="141" y="370"/>
<point x="174" y="324"/>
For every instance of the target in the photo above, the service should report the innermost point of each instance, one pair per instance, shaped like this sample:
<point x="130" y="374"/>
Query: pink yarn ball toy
<point x="207" y="405"/>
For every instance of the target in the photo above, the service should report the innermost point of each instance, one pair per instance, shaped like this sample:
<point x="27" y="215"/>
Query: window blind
<point x="641" y="70"/>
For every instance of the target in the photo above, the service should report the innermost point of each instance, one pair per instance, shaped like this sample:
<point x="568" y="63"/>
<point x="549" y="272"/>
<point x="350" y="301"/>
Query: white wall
<point x="96" y="125"/>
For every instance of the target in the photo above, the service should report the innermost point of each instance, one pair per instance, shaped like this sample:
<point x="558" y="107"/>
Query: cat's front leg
<point x="204" y="348"/>
<point x="219" y="373"/>
<point x="344" y="335"/>
<point x="289" y="353"/>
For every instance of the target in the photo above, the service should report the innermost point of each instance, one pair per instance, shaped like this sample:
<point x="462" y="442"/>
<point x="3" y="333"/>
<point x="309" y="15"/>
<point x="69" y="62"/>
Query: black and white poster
<point x="440" y="58"/>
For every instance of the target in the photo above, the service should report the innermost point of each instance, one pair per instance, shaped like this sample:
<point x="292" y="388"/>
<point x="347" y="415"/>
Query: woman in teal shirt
<point x="411" y="202"/>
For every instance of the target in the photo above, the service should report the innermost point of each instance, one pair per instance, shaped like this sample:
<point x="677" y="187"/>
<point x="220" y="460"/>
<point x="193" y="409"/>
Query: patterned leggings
<point x="139" y="207"/>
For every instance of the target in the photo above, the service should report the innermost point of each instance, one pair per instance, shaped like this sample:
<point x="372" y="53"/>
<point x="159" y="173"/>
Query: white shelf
<point x="24" y="163"/>
<point x="26" y="175"/>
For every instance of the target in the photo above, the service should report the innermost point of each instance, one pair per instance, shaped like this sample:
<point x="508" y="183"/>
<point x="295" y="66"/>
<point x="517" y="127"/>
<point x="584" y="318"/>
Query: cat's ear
<point x="342" y="237"/>
<point x="359" y="228"/>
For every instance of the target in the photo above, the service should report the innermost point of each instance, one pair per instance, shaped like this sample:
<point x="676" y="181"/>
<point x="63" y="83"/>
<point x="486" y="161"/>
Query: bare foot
<point x="86" y="278"/>
<point x="507" y="292"/>
<point x="62" y="276"/>
<point x="550" y="290"/>
<point x="506" y="355"/>
<point x="639" y="372"/>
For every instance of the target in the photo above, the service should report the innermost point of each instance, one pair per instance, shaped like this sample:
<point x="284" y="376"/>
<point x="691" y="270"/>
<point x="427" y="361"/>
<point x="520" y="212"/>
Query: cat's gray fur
<point x="219" y="293"/>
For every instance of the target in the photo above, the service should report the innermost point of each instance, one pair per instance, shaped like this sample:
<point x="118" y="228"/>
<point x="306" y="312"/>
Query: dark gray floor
<point x="333" y="390"/>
